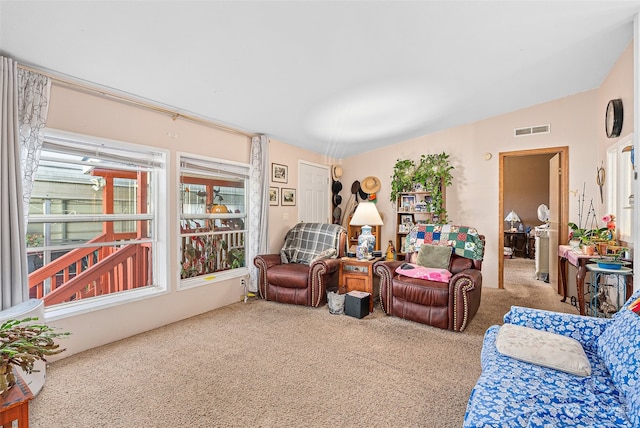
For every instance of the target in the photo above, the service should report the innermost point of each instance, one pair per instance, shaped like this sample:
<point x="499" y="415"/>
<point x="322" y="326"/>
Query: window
<point x="93" y="227"/>
<point x="619" y="182"/>
<point x="213" y="216"/>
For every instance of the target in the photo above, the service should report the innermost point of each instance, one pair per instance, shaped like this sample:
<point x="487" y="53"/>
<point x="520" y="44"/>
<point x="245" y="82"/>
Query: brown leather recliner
<point x="449" y="306"/>
<point x="302" y="279"/>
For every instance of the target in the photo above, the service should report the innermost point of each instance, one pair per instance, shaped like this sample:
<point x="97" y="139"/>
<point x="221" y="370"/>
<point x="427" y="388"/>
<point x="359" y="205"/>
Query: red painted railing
<point x="90" y="272"/>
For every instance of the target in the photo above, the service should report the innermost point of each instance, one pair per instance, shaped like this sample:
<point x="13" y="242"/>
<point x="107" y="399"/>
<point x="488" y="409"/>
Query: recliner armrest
<point x="267" y="260"/>
<point x="330" y="265"/>
<point x="474" y="276"/>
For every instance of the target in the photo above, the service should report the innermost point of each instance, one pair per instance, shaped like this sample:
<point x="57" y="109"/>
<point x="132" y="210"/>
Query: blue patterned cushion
<point x="513" y="393"/>
<point x="619" y="348"/>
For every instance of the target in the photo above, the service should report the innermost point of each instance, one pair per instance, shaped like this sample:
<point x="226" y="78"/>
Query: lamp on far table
<point x="513" y="218"/>
<point x="366" y="215"/>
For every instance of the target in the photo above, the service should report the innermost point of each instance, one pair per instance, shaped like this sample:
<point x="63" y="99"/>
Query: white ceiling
<point x="335" y="77"/>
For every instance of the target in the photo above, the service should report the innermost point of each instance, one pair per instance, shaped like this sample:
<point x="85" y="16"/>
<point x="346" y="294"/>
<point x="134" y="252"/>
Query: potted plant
<point x="22" y="343"/>
<point x="613" y="260"/>
<point x="402" y="178"/>
<point x="579" y="233"/>
<point x="434" y="173"/>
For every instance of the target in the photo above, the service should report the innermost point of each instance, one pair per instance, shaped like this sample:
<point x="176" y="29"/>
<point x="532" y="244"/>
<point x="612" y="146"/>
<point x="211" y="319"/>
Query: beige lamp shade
<point x="366" y="215"/>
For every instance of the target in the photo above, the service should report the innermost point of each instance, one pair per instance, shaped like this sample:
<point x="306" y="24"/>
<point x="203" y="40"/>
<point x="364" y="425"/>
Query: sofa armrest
<point x="585" y="330"/>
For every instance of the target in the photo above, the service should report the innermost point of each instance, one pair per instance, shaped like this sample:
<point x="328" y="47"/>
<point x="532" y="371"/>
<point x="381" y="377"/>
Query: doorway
<point x="559" y="204"/>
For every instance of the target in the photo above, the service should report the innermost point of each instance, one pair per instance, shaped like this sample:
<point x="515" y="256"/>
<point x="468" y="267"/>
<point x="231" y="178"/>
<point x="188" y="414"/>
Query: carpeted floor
<point x="267" y="364"/>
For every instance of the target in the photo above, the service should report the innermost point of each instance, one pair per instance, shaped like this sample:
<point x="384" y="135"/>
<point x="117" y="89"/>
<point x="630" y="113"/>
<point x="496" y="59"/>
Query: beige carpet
<point x="266" y="364"/>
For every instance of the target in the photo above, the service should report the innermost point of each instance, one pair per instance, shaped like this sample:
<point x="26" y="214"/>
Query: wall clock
<point x="613" y="118"/>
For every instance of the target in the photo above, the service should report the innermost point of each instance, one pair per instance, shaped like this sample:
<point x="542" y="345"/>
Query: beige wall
<point x="473" y="197"/>
<point x="281" y="219"/>
<point x="618" y="84"/>
<point x="97" y="116"/>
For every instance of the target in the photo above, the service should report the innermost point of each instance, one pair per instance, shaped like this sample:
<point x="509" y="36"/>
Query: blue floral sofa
<point x="514" y="393"/>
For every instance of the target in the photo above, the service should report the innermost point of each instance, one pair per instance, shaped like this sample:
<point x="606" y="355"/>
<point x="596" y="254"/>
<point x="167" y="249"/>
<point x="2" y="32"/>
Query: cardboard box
<point x="356" y="304"/>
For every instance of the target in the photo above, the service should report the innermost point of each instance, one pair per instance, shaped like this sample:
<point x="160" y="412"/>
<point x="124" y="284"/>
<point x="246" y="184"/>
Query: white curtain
<point x="259" y="205"/>
<point x="25" y="100"/>
<point x="13" y="254"/>
<point x="33" y="107"/>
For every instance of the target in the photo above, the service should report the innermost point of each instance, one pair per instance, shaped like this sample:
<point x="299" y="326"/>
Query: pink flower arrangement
<point x="610" y="219"/>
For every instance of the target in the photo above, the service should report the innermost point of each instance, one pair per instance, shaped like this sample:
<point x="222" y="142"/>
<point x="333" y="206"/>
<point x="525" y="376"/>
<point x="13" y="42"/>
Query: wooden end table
<point x="15" y="405"/>
<point x="358" y="275"/>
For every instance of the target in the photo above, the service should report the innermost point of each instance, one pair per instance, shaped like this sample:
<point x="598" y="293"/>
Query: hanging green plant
<point x="402" y="178"/>
<point x="434" y="174"/>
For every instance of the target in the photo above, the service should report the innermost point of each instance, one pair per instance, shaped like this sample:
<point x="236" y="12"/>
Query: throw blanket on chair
<point x="308" y="241"/>
<point x="465" y="240"/>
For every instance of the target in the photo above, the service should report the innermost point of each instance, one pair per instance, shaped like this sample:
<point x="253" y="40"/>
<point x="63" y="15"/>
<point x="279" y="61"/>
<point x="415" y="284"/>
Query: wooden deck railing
<point x="125" y="269"/>
<point x="88" y="272"/>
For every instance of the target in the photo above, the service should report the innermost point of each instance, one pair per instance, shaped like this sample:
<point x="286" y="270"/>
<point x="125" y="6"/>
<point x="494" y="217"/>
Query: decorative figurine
<point x="391" y="252"/>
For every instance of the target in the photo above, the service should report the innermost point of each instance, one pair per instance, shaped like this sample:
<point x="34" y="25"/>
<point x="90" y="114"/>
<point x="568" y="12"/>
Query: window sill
<point x="66" y="310"/>
<point x="216" y="277"/>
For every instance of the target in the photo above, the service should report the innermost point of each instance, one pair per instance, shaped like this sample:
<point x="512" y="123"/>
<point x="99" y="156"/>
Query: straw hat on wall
<point x="370" y="185"/>
<point x="336" y="172"/>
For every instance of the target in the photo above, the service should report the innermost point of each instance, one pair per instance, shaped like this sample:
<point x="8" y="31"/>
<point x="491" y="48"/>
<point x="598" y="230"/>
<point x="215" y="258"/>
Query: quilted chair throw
<point x="464" y="239"/>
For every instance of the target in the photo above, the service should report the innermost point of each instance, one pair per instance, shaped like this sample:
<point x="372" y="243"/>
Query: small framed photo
<point x="288" y="197"/>
<point x="408" y="202"/>
<point x="279" y="173"/>
<point x="406" y="219"/>
<point x="274" y="196"/>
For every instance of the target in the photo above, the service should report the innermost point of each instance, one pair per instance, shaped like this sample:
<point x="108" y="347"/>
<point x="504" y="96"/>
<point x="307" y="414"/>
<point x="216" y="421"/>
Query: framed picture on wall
<point x="274" y="196"/>
<point x="288" y="197"/>
<point x="279" y="173"/>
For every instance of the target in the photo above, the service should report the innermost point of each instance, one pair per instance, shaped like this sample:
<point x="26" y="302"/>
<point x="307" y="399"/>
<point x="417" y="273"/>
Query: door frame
<point x="327" y="214"/>
<point x="563" y="228"/>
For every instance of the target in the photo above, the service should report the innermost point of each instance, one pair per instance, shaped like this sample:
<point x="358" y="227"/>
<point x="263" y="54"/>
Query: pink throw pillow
<point x="416" y="271"/>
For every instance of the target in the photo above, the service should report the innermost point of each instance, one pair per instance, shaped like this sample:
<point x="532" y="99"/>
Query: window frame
<point x="226" y="168"/>
<point x="159" y="232"/>
<point x="619" y="182"/>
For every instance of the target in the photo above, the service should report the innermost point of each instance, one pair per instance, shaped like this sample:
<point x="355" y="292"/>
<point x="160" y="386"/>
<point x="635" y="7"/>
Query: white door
<point x="554" y="218"/>
<point x="313" y="193"/>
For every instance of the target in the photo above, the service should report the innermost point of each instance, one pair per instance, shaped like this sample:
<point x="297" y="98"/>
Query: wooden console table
<point x="15" y="405"/>
<point x="580" y="261"/>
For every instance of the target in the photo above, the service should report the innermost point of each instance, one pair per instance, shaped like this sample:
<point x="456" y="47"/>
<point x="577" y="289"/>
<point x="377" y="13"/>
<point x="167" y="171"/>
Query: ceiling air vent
<point x="529" y="130"/>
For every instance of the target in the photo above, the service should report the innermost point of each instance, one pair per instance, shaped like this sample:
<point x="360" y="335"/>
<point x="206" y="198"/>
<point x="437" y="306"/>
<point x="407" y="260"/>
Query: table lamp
<point x="512" y="217"/>
<point x="366" y="215"/>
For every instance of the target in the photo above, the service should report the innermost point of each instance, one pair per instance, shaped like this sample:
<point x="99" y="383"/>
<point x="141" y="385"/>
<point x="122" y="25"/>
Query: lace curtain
<point x="258" y="205"/>
<point x="33" y="106"/>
